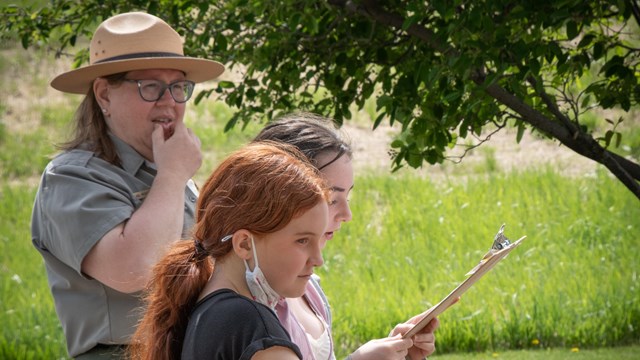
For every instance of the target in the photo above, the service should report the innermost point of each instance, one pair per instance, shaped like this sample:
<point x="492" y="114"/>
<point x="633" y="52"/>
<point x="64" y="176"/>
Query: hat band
<point x="140" y="55"/>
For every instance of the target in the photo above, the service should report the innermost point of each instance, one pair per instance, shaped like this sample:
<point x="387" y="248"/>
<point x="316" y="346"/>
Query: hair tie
<point x="199" y="249"/>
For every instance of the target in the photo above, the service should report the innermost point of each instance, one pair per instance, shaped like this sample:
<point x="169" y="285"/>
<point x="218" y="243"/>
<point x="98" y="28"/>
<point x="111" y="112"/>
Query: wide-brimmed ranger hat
<point x="135" y="41"/>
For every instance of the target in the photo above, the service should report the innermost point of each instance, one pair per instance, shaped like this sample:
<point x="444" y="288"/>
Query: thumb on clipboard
<point x="423" y="343"/>
<point x="424" y="340"/>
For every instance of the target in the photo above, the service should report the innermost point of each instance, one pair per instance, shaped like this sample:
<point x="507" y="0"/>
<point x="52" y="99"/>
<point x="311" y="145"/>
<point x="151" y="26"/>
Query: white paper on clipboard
<point x="487" y="263"/>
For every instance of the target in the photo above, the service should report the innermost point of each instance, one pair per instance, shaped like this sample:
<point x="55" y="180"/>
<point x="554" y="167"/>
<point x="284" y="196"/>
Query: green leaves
<point x="433" y="68"/>
<point x="572" y="30"/>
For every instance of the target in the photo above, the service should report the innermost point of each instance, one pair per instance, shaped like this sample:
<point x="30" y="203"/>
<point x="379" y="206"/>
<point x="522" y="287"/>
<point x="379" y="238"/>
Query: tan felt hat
<point x="135" y="41"/>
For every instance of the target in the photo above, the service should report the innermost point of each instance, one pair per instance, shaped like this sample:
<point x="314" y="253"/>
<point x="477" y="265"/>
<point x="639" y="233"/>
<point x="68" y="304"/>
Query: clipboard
<point x="501" y="247"/>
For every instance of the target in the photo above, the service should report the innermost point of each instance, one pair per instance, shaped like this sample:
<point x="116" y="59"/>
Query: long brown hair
<point x="90" y="129"/>
<point x="260" y="188"/>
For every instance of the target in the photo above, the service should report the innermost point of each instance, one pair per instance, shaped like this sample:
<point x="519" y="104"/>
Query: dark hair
<point x="312" y="134"/>
<point x="260" y="188"/>
<point x="91" y="131"/>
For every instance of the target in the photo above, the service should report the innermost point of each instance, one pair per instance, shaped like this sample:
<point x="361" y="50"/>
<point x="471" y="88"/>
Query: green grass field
<point x="570" y="291"/>
<point x="572" y="283"/>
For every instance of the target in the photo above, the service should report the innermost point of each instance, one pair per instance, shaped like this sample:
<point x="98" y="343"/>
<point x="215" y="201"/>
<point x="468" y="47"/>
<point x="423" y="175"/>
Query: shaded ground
<point x="500" y="153"/>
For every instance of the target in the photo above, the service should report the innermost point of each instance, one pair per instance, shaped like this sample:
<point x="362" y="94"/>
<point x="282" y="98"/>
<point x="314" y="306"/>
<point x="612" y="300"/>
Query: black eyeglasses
<point x="153" y="90"/>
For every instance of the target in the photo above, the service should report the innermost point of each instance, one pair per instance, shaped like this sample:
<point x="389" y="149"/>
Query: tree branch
<point x="551" y="105"/>
<point x="625" y="170"/>
<point x="371" y="9"/>
<point x="635" y="10"/>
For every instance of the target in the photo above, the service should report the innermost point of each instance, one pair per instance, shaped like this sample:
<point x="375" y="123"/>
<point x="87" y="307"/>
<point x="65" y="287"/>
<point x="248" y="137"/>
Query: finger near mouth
<point x="167" y="128"/>
<point x="168" y="132"/>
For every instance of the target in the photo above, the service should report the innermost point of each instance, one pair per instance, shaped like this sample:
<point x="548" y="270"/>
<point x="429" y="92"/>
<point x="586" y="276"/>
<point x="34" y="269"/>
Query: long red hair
<point x="260" y="188"/>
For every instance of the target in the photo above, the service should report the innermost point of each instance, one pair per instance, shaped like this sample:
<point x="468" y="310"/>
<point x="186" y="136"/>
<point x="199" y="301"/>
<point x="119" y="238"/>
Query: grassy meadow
<point x="570" y="291"/>
<point x="571" y="284"/>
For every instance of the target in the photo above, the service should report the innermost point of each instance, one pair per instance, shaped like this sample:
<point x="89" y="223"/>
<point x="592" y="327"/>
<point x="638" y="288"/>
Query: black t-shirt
<point x="227" y="326"/>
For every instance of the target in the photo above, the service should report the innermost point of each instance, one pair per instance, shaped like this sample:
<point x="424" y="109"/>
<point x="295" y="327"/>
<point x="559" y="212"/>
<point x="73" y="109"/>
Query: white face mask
<point x="258" y="285"/>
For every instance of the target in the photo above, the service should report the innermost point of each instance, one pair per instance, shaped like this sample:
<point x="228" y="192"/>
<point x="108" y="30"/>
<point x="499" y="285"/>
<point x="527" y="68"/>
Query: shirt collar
<point x="130" y="159"/>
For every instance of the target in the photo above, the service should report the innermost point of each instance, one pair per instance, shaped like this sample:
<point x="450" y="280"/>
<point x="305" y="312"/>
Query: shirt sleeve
<point x="236" y="328"/>
<point x="78" y="205"/>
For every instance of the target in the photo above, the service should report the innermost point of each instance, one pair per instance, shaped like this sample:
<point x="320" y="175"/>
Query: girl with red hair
<point x="261" y="219"/>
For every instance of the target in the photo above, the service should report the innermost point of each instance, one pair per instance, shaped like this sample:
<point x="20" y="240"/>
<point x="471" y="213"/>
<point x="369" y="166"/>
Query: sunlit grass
<point x="573" y="282"/>
<point x="30" y="329"/>
<point x="618" y="353"/>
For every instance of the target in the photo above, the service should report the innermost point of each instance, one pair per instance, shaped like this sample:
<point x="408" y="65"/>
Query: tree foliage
<point x="441" y="70"/>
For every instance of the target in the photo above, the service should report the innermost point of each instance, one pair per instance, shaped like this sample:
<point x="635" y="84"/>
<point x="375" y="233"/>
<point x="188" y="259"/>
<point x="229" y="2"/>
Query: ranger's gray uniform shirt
<point x="81" y="197"/>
